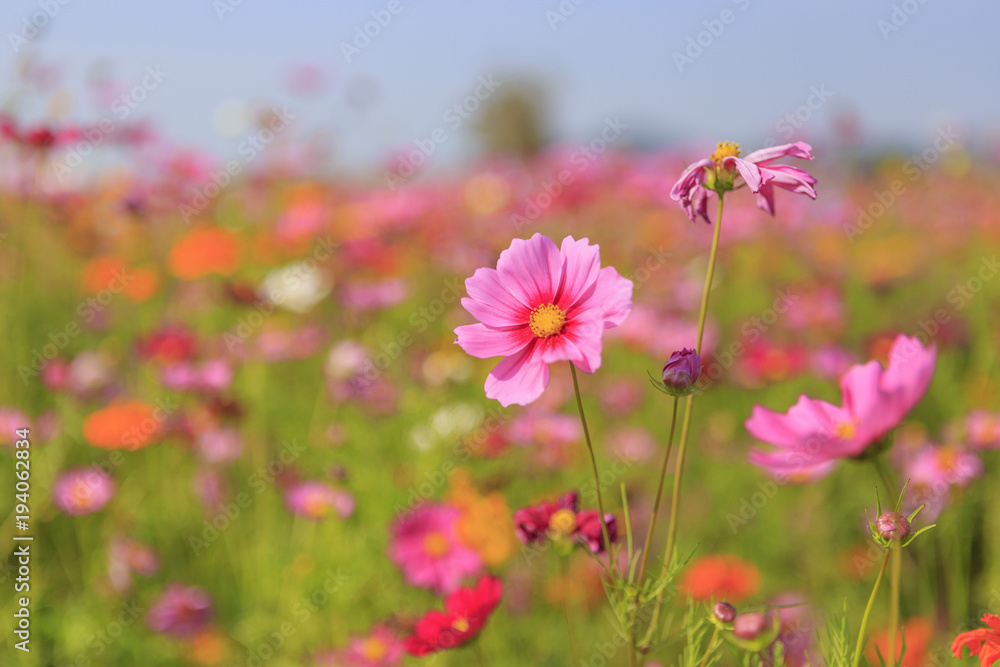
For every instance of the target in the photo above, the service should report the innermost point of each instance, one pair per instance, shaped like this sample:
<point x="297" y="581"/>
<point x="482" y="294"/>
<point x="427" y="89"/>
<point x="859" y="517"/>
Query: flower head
<point x="982" y="642"/>
<point x="681" y="372"/>
<point x="379" y="648"/>
<point x="465" y="613"/>
<point x="123" y="424"/>
<point x="718" y="174"/>
<point x="814" y="434"/>
<point x="541" y="304"/>
<point x="724" y="612"/>
<point x="564" y="523"/>
<point x="82" y="491"/>
<point x="719" y="576"/>
<point x="181" y="611"/>
<point x="892" y="526"/>
<point x="426" y="546"/>
<point x="314" y="500"/>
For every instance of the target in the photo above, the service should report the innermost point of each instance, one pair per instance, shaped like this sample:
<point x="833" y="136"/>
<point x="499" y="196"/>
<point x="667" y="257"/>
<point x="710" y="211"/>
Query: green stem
<point x="868" y="611"/>
<point x="564" y="571"/>
<point x="688" y="409"/>
<point x="593" y="464"/>
<point x="883" y="472"/>
<point x="711" y="646"/>
<point x="894" y="574"/>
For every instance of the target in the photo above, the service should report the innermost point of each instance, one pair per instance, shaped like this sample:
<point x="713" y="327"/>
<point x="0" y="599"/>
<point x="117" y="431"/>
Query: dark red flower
<point x="563" y="520"/>
<point x="466" y="612"/>
<point x="168" y="345"/>
<point x="532" y="523"/>
<point x="588" y="526"/>
<point x="983" y="642"/>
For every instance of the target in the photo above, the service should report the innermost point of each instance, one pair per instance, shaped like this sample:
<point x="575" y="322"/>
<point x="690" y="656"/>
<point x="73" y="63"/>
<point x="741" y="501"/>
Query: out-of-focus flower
<point x="82" y="491"/>
<point x="541" y="304"/>
<point x="918" y="632"/>
<point x="219" y="445"/>
<point x="214" y="375"/>
<point x="720" y="577"/>
<point x="204" y="251"/>
<point x="484" y="524"/>
<point x="427" y="548"/>
<point x="123" y="425"/>
<point x="797" y="628"/>
<point x="126" y="557"/>
<point x="814" y="434"/>
<point x="718" y="173"/>
<point x="982" y="430"/>
<point x="180" y="611"/>
<point x="297" y="287"/>
<point x="632" y="444"/>
<point x="982" y="642"/>
<point x="372" y="296"/>
<point x="314" y="500"/>
<point x="169" y="344"/>
<point x="115" y="276"/>
<point x="12" y="420"/>
<point x="563" y="523"/>
<point x="379" y="648"/>
<point x="553" y="435"/>
<point x="466" y="612"/>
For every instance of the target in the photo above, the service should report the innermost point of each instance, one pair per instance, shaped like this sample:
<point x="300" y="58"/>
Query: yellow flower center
<point x="845" y="430"/>
<point x="460" y="624"/>
<point x="563" y="522"/>
<point x="373" y="649"/>
<point x="315" y="506"/>
<point x="436" y="544"/>
<point x="723" y="150"/>
<point x="947" y="459"/>
<point x="547" y="320"/>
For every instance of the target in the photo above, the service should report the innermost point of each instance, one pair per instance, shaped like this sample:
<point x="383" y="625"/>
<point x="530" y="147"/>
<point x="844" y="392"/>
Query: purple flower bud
<point x="682" y="372"/>
<point x="749" y="625"/>
<point x="724" y="612"/>
<point x="892" y="525"/>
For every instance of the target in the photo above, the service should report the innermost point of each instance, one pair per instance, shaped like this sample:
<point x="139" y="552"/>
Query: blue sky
<point x="604" y="60"/>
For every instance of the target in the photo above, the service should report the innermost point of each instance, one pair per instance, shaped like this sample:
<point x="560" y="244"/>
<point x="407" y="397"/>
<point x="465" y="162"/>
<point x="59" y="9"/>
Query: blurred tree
<point x="513" y="120"/>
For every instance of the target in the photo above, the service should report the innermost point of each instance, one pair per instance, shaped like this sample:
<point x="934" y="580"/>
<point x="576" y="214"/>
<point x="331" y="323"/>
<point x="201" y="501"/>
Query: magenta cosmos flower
<point x="541" y="304"/>
<point x="814" y="434"/>
<point x="718" y="174"/>
<point x="426" y="547"/>
<point x="181" y="611"/>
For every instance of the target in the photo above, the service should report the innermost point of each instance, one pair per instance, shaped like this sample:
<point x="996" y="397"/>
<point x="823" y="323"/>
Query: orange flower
<point x="101" y="273"/>
<point x="982" y="642"/>
<point x="121" y="425"/>
<point x="143" y="283"/>
<point x="720" y="577"/>
<point x="485" y="521"/>
<point x="919" y="632"/>
<point x="205" y="251"/>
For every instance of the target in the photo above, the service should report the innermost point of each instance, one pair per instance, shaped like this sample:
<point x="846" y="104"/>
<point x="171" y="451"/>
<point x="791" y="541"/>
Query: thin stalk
<point x="593" y="464"/>
<point x="886" y="476"/>
<point x="711" y="646"/>
<point x="564" y="570"/>
<point x="868" y="611"/>
<point x="895" y="566"/>
<point x="688" y="409"/>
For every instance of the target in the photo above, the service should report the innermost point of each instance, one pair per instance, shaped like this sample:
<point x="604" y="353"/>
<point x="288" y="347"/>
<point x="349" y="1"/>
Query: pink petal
<point x="611" y="299"/>
<point x="748" y="170"/>
<point x="799" y="149"/>
<point x="859" y="388"/>
<point x="693" y="176"/>
<point x="520" y="378"/>
<point x="486" y="287"/>
<point x="484" y="342"/>
<point x="580" y="343"/>
<point x="531" y="270"/>
<point x="581" y="263"/>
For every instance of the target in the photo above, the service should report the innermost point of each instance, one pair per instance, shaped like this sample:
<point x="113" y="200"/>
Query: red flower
<point x="563" y="521"/>
<point x="982" y="642"/>
<point x="720" y="577"/>
<point x="466" y="612"/>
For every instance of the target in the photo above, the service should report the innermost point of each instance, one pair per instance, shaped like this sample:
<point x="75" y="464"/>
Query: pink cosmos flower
<point x="932" y="472"/>
<point x="541" y="304"/>
<point x="379" y="648"/>
<point x="814" y="434"/>
<point x="716" y="173"/>
<point x="314" y="500"/>
<point x="181" y="611"/>
<point x="82" y="491"/>
<point x="982" y="430"/>
<point x="426" y="547"/>
<point x="126" y="557"/>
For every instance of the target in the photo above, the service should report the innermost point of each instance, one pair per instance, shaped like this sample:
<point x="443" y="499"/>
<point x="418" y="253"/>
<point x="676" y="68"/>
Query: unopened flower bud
<point x="724" y="612"/>
<point x="892" y="526"/>
<point x="748" y="626"/>
<point x="681" y="372"/>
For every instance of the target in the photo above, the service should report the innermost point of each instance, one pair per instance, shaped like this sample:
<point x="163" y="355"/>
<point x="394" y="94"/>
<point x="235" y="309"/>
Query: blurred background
<point x="233" y="239"/>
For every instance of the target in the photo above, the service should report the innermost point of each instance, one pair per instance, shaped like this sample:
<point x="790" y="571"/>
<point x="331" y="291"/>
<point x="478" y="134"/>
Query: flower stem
<point x="894" y="574"/>
<point x="711" y="646"/>
<point x="564" y="571"/>
<point x="883" y="472"/>
<point x="868" y="611"/>
<point x="593" y="464"/>
<point x="688" y="409"/>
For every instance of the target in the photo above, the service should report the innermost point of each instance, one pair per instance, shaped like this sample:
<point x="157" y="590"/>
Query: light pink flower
<point x="933" y="471"/>
<point x="379" y="648"/>
<point x="541" y="304"/>
<point x="814" y="434"/>
<point x="982" y="430"/>
<point x="756" y="169"/>
<point x="181" y="611"/>
<point x="314" y="500"/>
<point x="426" y="547"/>
<point x="82" y="491"/>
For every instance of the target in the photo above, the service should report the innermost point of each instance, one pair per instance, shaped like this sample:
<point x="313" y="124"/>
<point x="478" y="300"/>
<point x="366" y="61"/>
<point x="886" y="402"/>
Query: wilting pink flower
<point x="541" y="304"/>
<point x="718" y="173"/>
<point x="379" y="648"/>
<point x="563" y="521"/>
<point x="814" y="434"/>
<point x="82" y="491"/>
<point x="314" y="500"/>
<point x="426" y="547"/>
<point x="181" y="611"/>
